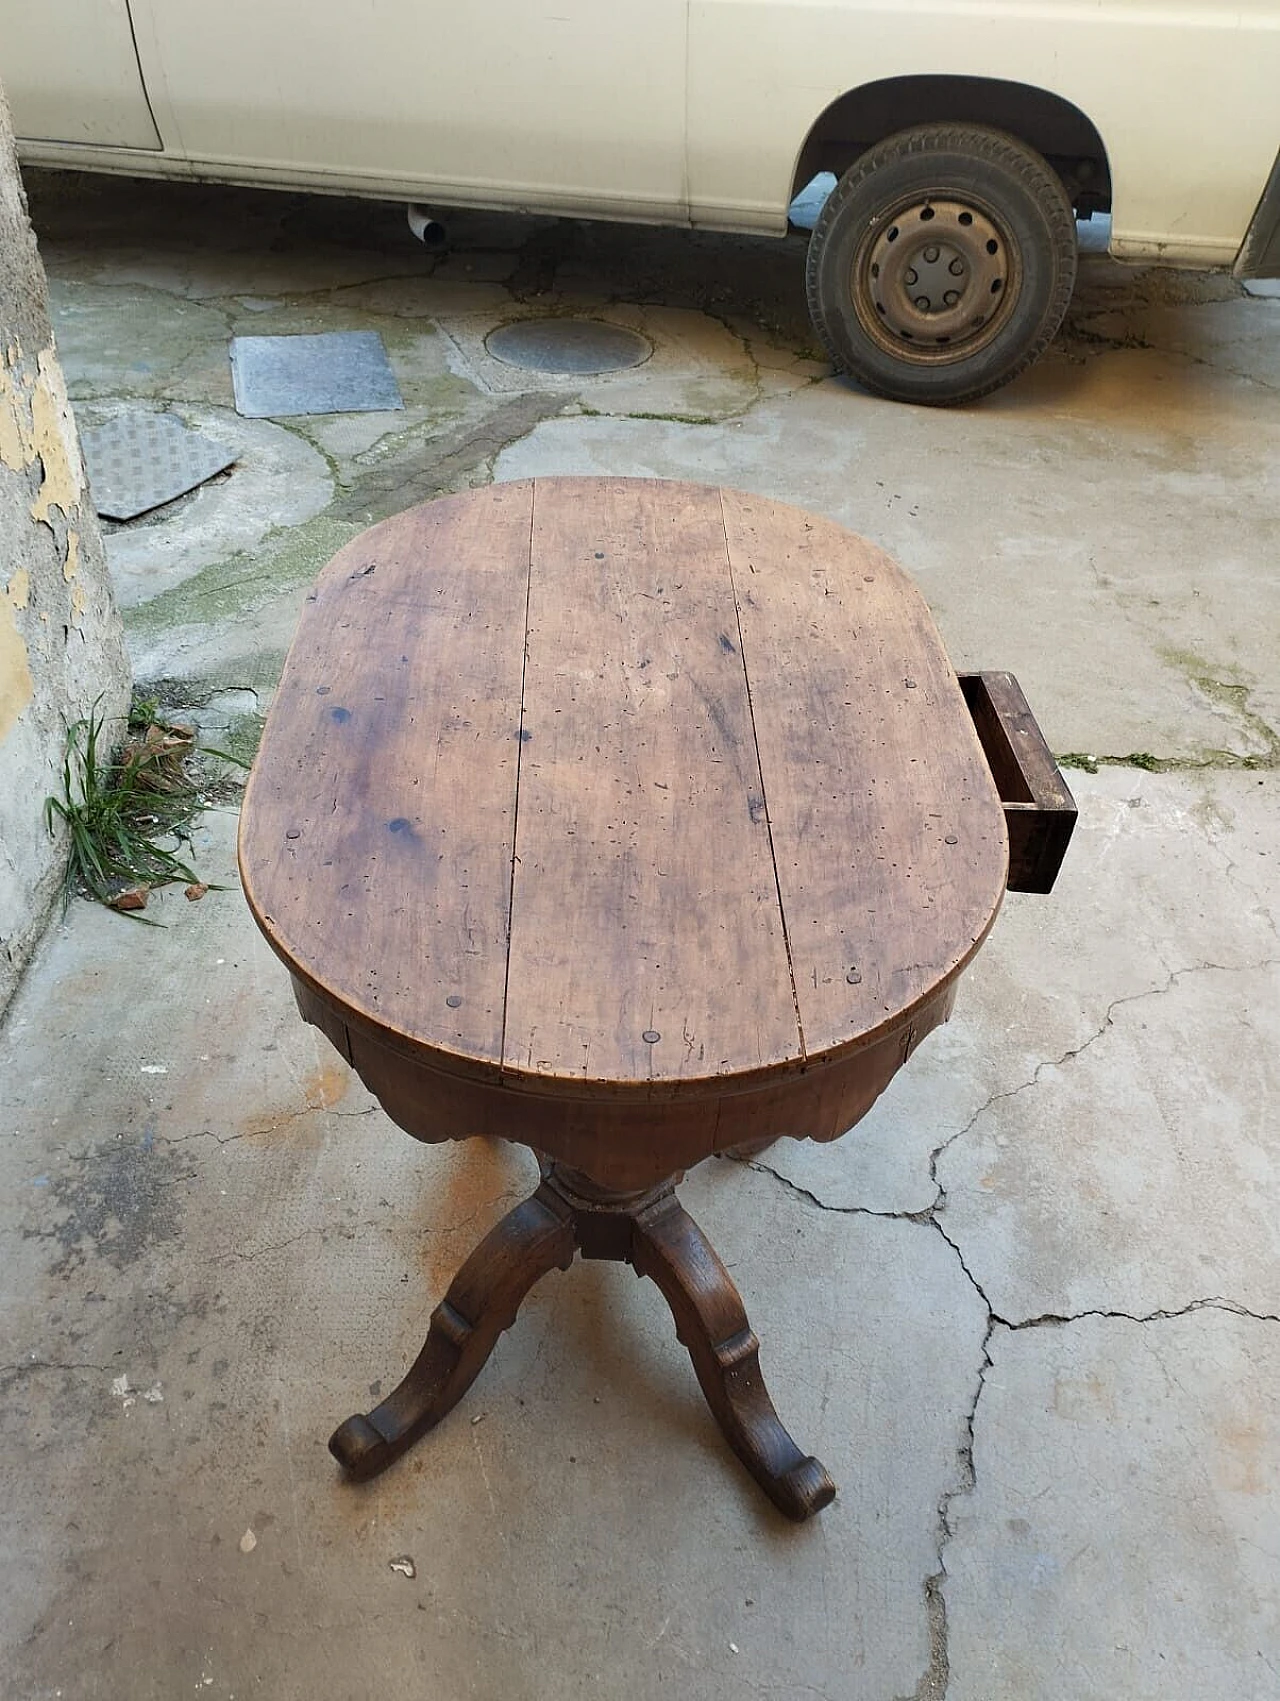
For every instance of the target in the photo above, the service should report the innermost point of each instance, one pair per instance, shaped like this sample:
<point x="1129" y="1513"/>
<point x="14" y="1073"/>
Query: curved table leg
<point x="669" y="1247"/>
<point x="482" y="1301"/>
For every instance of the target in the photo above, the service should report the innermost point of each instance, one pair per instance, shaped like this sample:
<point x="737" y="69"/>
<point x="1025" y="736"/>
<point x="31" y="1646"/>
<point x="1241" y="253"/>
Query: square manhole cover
<point x="141" y="460"/>
<point x="331" y="372"/>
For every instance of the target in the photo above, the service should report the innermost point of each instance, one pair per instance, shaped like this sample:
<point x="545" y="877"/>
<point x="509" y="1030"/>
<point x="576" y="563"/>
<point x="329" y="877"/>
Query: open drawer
<point x="1039" y="810"/>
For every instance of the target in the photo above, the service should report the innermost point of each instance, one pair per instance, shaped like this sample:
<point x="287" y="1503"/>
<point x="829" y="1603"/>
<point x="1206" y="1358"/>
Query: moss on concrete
<point x="288" y="557"/>
<point x="242" y="737"/>
<point x="1227" y="760"/>
<point x="1232" y="695"/>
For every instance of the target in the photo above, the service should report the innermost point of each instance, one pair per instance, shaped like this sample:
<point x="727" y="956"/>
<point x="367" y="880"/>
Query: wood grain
<point x="635" y="822"/>
<point x="644" y="901"/>
<point x="377" y="828"/>
<point x="1039" y="809"/>
<point x="654" y="1234"/>
<point x="887" y="829"/>
<point x="754" y="820"/>
<point x="623" y="1137"/>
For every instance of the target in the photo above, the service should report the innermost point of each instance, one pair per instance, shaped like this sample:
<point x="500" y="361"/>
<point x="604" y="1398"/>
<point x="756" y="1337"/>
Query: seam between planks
<point x="764" y="790"/>
<point x="515" y="807"/>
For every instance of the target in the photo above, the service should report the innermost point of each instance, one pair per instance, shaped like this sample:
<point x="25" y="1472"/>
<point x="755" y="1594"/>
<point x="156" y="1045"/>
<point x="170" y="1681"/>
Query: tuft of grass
<point x="118" y="806"/>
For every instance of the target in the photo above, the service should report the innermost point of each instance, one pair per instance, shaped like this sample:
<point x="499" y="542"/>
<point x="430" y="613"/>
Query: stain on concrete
<point x="322" y="1088"/>
<point x="1084" y="1399"/>
<point x="116" y="1202"/>
<point x="406" y="476"/>
<point x="1243" y="1456"/>
<point x="326" y="1085"/>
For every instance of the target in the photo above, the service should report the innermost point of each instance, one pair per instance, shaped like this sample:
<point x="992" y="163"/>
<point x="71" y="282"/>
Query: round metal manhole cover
<point x="579" y="348"/>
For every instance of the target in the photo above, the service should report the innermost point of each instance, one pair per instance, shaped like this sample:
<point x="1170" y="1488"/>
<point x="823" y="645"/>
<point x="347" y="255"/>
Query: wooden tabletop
<point x="621" y="786"/>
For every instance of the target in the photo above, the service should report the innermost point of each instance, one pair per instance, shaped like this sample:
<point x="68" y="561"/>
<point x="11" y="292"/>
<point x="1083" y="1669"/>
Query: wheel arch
<point x="1067" y="139"/>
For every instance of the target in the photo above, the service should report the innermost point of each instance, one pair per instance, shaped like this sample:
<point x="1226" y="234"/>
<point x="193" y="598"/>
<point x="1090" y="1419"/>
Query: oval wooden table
<point x="635" y="822"/>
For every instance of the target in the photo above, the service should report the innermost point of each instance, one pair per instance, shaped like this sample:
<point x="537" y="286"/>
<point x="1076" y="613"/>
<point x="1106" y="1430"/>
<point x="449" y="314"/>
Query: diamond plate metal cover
<point x="141" y="460"/>
<point x="332" y="372"/>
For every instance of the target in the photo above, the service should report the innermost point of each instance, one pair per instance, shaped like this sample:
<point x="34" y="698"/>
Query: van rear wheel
<point x="942" y="264"/>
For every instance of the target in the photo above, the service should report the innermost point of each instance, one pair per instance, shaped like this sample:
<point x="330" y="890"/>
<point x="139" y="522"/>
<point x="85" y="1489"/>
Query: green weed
<point x="117" y="807"/>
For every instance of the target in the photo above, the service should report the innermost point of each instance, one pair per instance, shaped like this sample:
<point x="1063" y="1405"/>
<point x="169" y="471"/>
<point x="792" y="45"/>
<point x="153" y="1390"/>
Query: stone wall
<point x="61" y="644"/>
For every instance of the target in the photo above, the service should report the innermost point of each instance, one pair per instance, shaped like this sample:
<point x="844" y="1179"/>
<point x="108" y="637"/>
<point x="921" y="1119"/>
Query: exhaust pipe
<point x="425" y="226"/>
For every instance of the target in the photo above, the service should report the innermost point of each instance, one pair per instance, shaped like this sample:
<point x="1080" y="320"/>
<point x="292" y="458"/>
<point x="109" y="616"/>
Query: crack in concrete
<point x="176" y="694"/>
<point x="1234" y="873"/>
<point x="757" y="380"/>
<point x="935" y="1680"/>
<point x="233" y="299"/>
<point x="495" y="1208"/>
<point x="1216" y="761"/>
<point x="274" y="1127"/>
<point x="936" y="1677"/>
<point x="254" y="1253"/>
<point x="1076" y="1051"/>
<point x="297" y="427"/>
<point x="1055" y="1319"/>
<point x="937" y="1674"/>
<point x="1227" y="696"/>
<point x="1080" y="331"/>
<point x="10" y="1372"/>
<point x="922" y="1216"/>
<point x="252" y="581"/>
<point x="933" y="1684"/>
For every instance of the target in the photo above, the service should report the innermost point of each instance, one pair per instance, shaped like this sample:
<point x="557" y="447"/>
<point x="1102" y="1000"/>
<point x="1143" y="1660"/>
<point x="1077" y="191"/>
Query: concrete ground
<point x="1028" y="1312"/>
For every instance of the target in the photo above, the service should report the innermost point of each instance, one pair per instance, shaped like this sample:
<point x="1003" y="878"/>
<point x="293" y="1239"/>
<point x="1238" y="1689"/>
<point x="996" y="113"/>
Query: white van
<point x="966" y="134"/>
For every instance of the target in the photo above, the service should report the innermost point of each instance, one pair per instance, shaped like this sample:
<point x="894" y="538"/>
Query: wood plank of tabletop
<point x="379" y="821"/>
<point x="888" y="833"/>
<point x="644" y="898"/>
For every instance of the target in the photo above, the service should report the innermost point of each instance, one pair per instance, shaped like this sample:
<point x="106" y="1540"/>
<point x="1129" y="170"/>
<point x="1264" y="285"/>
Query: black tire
<point x="942" y="264"/>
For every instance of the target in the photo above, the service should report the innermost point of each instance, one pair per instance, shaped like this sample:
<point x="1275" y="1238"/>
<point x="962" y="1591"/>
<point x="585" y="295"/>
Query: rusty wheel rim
<point x="934" y="281"/>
